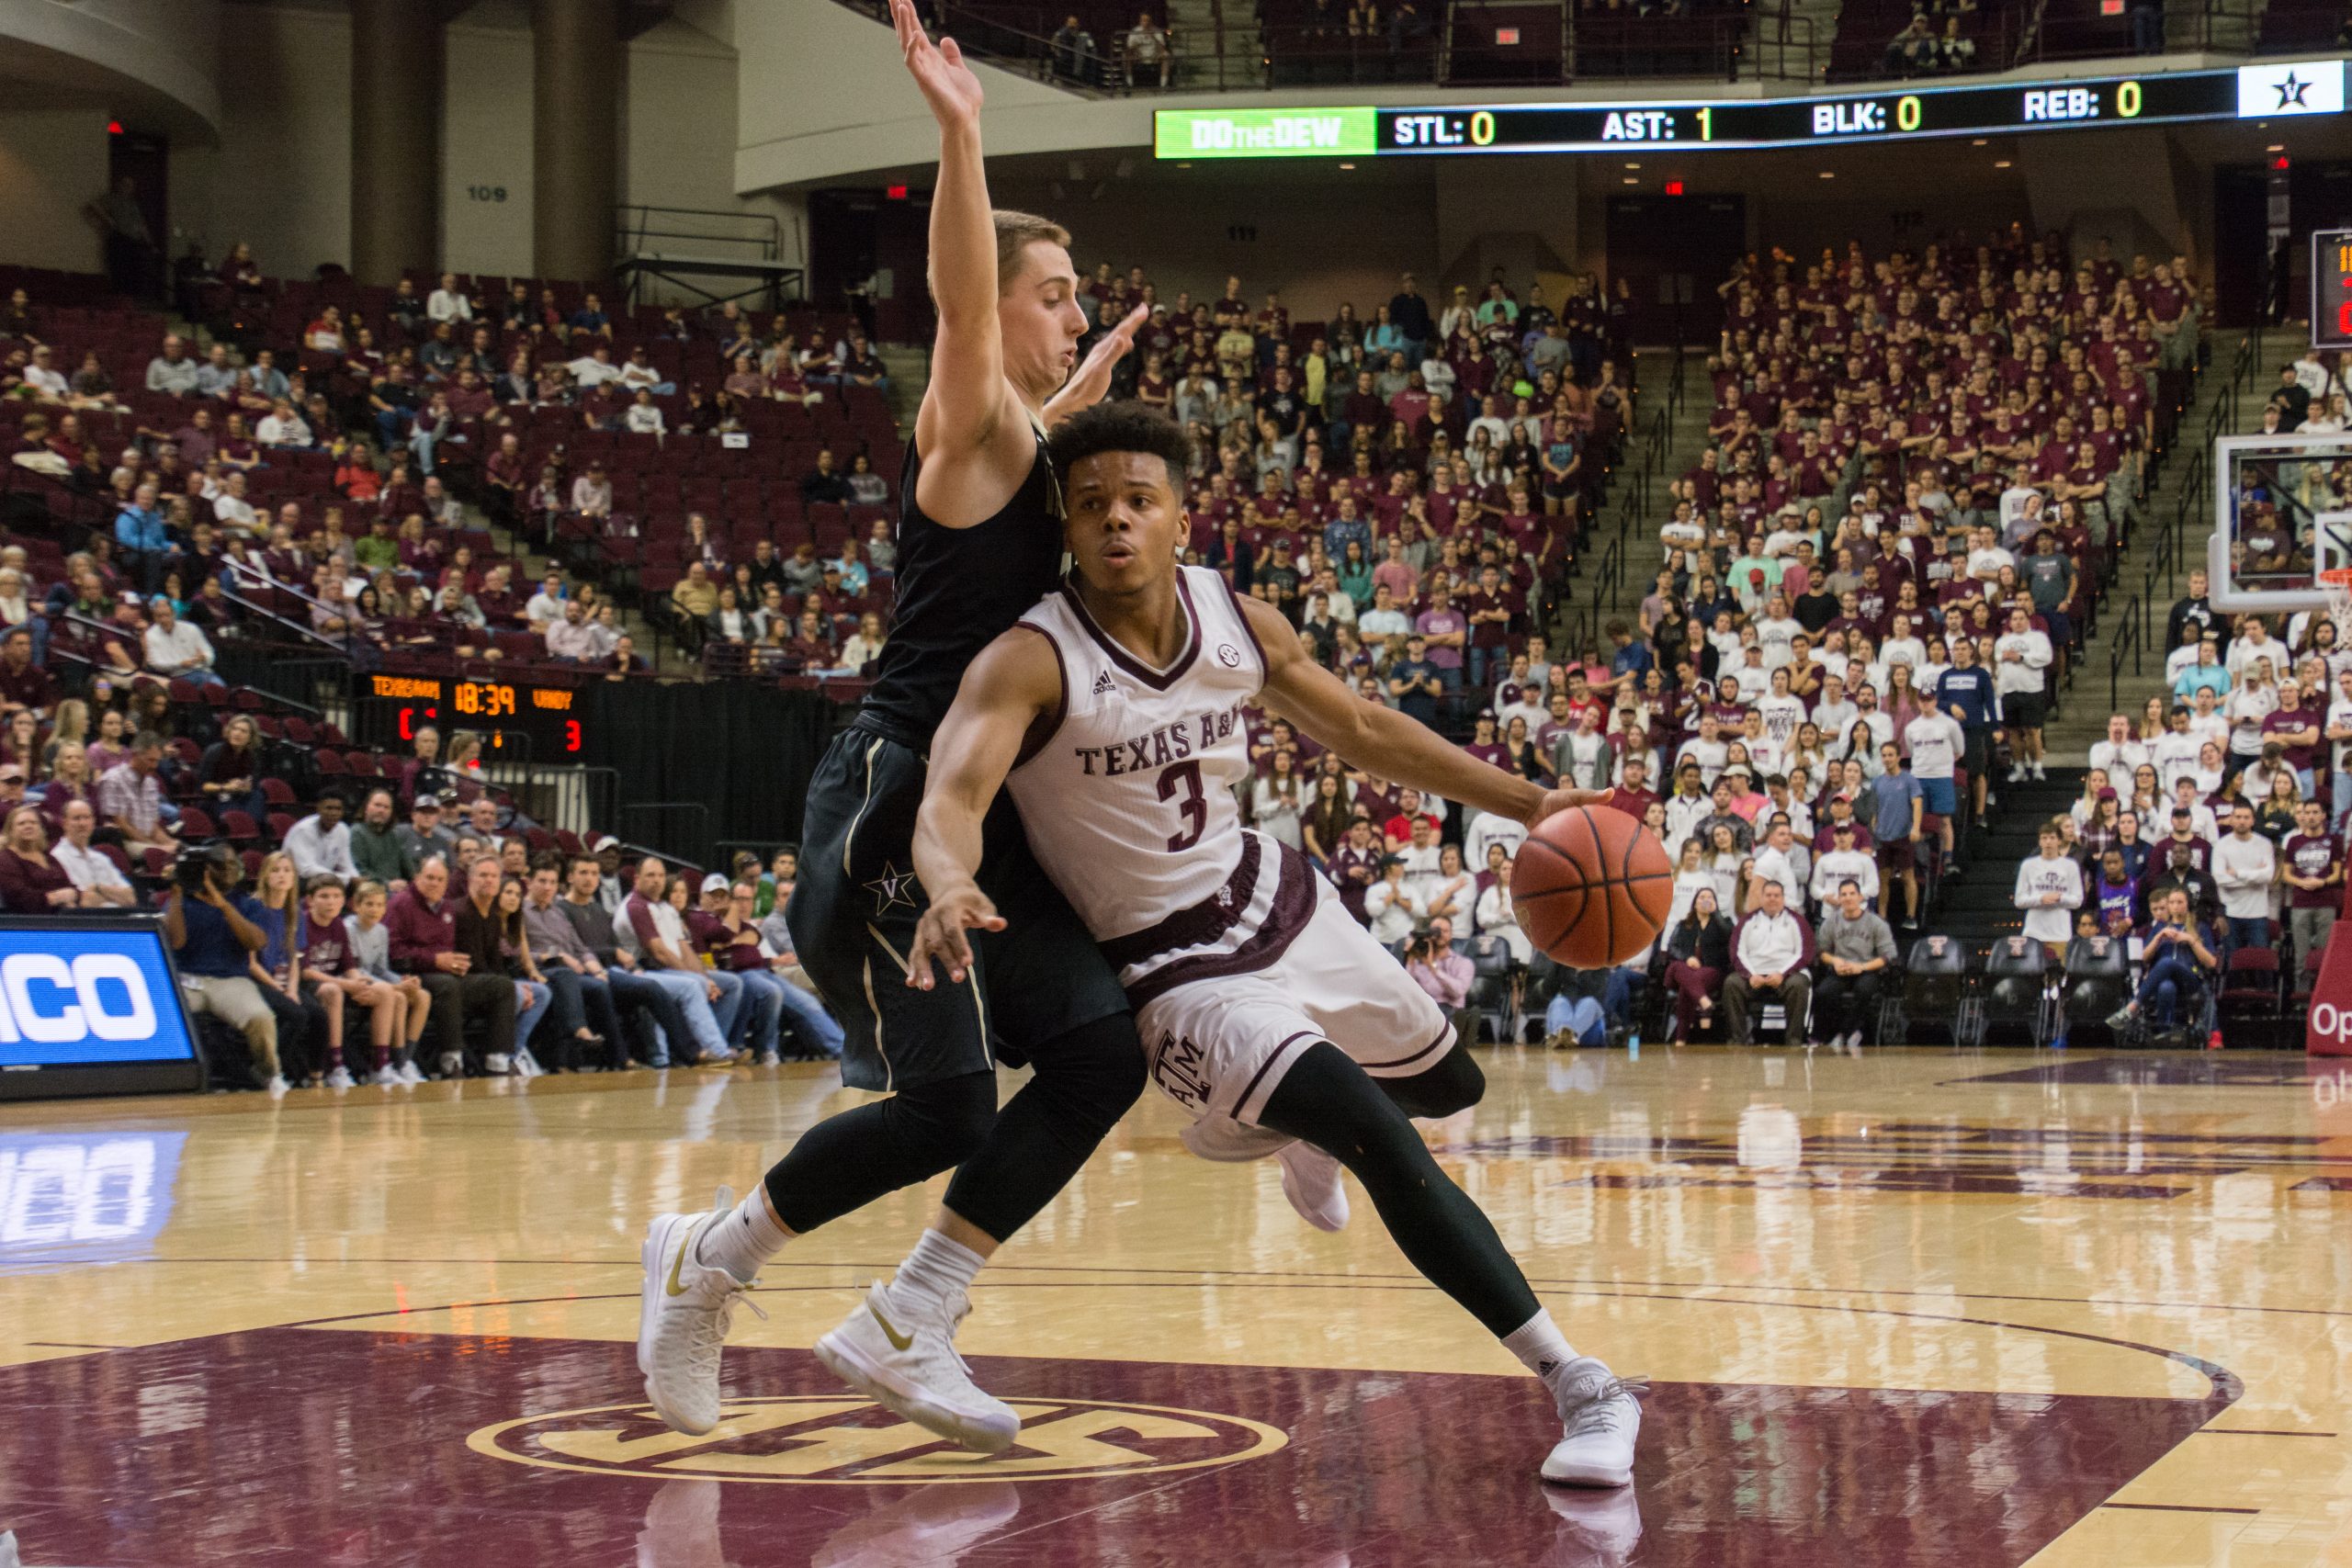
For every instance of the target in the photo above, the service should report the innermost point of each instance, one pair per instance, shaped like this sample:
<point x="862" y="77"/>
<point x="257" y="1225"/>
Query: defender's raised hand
<point x="948" y="83"/>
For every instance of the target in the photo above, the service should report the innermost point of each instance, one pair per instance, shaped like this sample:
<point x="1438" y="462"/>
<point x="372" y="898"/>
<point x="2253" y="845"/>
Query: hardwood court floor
<point x="1917" y="1308"/>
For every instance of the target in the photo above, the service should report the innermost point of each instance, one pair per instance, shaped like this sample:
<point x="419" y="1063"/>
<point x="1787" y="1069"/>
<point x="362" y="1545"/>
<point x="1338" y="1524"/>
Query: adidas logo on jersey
<point x="1102" y="682"/>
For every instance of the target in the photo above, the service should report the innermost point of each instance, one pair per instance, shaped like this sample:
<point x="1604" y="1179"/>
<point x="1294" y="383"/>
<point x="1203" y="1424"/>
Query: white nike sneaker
<point x="904" y="1359"/>
<point x="499" y="1064"/>
<point x="1311" y="1182"/>
<point x="410" y="1073"/>
<point x="277" y="1087"/>
<point x="1599" y="1417"/>
<point x="681" y="1319"/>
<point x="453" y="1065"/>
<point x="339" y="1078"/>
<point x="387" y="1076"/>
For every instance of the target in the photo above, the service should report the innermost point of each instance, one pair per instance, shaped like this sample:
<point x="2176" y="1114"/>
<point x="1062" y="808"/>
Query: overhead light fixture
<point x="1980" y="141"/>
<point x="1828" y="174"/>
<point x="1633" y="179"/>
<point x="1347" y="166"/>
<point x="1633" y="165"/>
<point x="2000" y="163"/>
<point x="2276" y="147"/>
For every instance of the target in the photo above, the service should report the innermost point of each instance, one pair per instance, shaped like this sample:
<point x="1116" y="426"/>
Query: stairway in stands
<point x="1973" y="907"/>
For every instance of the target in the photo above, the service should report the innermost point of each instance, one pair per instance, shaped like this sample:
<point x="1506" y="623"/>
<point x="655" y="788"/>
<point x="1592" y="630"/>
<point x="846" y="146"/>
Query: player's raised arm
<point x="1320" y="704"/>
<point x="1015" y="682"/>
<point x="964" y="401"/>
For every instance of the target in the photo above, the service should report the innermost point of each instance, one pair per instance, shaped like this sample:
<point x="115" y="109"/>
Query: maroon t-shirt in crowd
<point x="2312" y="856"/>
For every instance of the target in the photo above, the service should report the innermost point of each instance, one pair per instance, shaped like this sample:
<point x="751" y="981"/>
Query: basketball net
<point x="2337" y="582"/>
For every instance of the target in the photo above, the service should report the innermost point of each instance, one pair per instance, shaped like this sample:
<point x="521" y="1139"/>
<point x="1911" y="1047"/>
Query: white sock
<point x="747" y="1238"/>
<point x="1540" y="1347"/>
<point x="937" y="1273"/>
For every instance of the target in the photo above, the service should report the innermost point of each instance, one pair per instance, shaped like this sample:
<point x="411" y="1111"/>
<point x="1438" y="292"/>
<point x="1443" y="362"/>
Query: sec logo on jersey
<point x="842" y="1440"/>
<point x="1228" y="655"/>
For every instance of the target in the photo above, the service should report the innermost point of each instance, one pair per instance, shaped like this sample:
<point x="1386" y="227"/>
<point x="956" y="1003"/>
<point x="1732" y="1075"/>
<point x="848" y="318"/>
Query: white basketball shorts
<point x="1220" y="1047"/>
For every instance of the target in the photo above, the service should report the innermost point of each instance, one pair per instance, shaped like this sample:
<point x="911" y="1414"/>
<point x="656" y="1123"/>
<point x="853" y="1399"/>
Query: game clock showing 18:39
<point x="544" y="719"/>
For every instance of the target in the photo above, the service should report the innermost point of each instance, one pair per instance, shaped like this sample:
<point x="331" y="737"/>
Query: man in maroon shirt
<point x="23" y="683"/>
<point x="423" y="932"/>
<point x="1633" y="796"/>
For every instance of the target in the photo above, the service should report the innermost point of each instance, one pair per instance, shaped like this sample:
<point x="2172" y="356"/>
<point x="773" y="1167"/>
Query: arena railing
<point x="2219" y="26"/>
<point x="677" y="830"/>
<point x="2131" y="632"/>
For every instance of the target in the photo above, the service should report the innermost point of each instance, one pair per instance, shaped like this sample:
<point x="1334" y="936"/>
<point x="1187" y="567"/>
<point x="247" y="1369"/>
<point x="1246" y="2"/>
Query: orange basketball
<point x="1592" y="886"/>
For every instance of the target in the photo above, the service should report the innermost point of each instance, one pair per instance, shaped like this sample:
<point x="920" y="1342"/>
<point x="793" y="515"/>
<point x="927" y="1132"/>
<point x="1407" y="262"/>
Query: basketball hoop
<point x="2338" y="581"/>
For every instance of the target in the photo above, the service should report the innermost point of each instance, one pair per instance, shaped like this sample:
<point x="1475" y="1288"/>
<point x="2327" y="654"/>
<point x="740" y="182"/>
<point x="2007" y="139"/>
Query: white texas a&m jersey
<point x="1128" y="799"/>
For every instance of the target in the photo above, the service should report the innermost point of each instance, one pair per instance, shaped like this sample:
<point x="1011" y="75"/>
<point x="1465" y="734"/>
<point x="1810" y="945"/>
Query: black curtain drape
<point x="743" y="753"/>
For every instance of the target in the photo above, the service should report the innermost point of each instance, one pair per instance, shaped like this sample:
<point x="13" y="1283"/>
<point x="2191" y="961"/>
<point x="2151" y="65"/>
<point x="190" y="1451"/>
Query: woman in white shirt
<point x="1498" y="916"/>
<point x="863" y="646"/>
<point x="1691" y="873"/>
<point x="1726" y="867"/>
<point x="1275" y="804"/>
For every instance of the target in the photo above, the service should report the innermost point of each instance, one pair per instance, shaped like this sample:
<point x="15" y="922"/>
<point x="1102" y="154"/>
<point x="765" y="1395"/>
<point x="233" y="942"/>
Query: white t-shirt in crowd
<point x="2037" y="878"/>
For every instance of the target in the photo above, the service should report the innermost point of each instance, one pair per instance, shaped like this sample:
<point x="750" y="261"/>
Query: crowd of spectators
<point x="1918" y="472"/>
<point x="408" y="890"/>
<point x="317" y="470"/>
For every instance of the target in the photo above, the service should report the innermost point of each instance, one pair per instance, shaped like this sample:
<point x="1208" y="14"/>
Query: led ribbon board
<point x="2252" y="92"/>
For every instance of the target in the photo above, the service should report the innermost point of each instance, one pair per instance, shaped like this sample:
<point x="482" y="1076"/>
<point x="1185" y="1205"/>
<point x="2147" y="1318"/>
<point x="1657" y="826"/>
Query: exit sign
<point x="2110" y="8"/>
<point x="1506" y="36"/>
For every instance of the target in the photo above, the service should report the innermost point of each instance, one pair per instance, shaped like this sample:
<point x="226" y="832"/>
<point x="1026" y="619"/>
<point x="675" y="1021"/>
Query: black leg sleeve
<point x="1329" y="1102"/>
<point x="1083" y="1082"/>
<point x="847" y="1161"/>
<point x="1455" y="1084"/>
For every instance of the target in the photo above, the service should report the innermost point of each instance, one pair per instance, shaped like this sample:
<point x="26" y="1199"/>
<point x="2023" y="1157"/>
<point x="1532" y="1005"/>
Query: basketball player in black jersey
<point x="979" y="541"/>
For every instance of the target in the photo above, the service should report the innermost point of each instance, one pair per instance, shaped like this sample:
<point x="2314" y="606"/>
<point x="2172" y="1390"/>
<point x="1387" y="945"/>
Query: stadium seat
<point x="2014" y="995"/>
<point x="2099" y="981"/>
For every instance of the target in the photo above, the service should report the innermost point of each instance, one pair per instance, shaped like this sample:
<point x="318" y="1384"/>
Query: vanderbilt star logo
<point x="889" y="889"/>
<point x="2290" y="89"/>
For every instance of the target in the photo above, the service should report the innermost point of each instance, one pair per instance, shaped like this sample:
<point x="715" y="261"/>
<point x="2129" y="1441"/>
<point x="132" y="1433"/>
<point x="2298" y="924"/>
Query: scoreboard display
<point x="541" y="722"/>
<point x="2253" y="92"/>
<point x="2332" y="289"/>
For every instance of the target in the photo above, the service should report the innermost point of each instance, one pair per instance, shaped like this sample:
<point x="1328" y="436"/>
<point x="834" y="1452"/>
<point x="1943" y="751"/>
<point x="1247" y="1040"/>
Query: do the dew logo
<point x="841" y="1441"/>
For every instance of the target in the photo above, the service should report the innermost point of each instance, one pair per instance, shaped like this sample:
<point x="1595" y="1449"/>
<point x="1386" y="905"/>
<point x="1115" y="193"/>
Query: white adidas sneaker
<point x="1311" y="1181"/>
<point x="903" y="1358"/>
<point x="683" y="1309"/>
<point x="1600" y="1416"/>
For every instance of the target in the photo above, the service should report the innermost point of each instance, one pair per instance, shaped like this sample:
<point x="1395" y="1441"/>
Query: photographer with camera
<point x="214" y="930"/>
<point x="1445" y="974"/>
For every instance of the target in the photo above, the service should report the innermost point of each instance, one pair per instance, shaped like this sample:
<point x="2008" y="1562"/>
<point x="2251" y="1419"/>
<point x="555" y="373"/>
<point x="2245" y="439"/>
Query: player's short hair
<point x="1015" y="232"/>
<point x="1122" y="427"/>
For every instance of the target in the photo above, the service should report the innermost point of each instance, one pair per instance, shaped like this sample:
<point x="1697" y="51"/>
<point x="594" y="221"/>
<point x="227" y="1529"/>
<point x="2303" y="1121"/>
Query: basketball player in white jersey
<point x="1113" y="712"/>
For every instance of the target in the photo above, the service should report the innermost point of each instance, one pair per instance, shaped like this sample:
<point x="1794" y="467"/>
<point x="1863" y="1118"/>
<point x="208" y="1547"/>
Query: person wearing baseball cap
<point x="422" y="836"/>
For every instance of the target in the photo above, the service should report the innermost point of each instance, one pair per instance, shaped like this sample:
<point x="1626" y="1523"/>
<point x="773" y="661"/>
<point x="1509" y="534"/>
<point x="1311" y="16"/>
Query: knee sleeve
<point x="1455" y="1084"/>
<point x="847" y="1161"/>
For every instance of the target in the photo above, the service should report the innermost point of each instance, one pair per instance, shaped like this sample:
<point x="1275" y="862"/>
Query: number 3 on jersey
<point x="1185" y="778"/>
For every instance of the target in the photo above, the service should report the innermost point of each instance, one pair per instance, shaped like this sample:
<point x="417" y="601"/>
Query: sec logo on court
<point x="841" y="1441"/>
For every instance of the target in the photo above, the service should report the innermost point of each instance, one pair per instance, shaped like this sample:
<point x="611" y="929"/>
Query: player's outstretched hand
<point x="1556" y="800"/>
<point x="1093" y="378"/>
<point x="948" y="83"/>
<point x="940" y="935"/>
